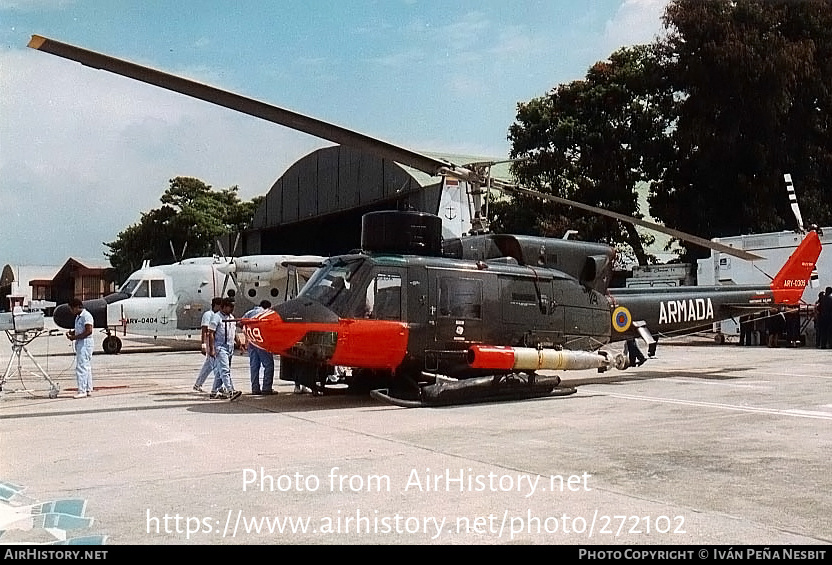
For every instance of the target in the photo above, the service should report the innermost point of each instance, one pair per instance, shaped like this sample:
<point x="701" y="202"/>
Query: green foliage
<point x="191" y="213"/>
<point x="587" y="140"/>
<point x="755" y="93"/>
<point x="710" y="116"/>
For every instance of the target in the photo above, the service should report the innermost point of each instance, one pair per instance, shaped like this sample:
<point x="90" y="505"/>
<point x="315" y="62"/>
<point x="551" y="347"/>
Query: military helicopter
<point x="464" y="319"/>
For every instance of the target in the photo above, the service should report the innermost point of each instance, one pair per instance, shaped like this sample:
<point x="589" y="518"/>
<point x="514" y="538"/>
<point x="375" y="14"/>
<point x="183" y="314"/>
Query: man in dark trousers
<point x="825" y="319"/>
<point x="636" y="356"/>
<point x="817" y="319"/>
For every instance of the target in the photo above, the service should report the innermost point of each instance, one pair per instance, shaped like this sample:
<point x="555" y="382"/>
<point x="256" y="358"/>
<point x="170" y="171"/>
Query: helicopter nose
<point x="291" y="324"/>
<point x="306" y="310"/>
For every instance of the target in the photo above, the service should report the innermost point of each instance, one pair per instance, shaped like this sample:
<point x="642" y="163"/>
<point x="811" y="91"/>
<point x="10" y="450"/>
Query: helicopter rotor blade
<point x="330" y="132"/>
<point x="250" y="106"/>
<point x="701" y="241"/>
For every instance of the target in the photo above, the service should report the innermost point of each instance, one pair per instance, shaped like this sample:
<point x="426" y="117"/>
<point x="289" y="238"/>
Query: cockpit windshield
<point x="332" y="284"/>
<point x="129" y="286"/>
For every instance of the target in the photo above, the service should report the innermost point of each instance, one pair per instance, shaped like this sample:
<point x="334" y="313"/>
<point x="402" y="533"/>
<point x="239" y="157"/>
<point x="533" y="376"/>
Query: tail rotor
<point x="793" y="201"/>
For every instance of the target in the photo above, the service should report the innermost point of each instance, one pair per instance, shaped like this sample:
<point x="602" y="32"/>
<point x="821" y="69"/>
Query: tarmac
<point x="702" y="445"/>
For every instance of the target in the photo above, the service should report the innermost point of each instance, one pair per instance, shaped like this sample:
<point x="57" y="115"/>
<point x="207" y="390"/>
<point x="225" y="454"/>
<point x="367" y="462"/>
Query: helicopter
<point x="465" y="319"/>
<point x="168" y="300"/>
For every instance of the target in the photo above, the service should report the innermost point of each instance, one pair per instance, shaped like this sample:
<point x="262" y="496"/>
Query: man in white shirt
<point x="82" y="336"/>
<point x="208" y="364"/>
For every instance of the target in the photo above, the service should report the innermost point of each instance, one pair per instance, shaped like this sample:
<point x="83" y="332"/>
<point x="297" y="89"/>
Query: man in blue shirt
<point x="259" y="357"/>
<point x="82" y="336"/>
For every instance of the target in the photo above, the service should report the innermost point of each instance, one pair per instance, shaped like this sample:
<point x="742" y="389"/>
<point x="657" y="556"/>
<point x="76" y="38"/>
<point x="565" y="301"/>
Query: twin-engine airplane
<point x="169" y="300"/>
<point x="465" y="318"/>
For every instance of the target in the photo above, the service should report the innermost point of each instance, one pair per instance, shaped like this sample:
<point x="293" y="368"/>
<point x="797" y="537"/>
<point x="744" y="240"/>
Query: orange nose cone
<point x="269" y="332"/>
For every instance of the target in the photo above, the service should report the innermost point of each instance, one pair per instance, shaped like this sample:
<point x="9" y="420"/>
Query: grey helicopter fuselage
<point x="485" y="304"/>
<point x="407" y="306"/>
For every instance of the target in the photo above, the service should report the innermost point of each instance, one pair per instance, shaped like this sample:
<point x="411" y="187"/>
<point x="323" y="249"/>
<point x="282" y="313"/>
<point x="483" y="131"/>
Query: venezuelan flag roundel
<point x="621" y="319"/>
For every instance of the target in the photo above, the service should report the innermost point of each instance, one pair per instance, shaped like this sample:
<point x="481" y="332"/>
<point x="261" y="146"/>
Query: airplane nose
<point x="63" y="317"/>
<point x="98" y="309"/>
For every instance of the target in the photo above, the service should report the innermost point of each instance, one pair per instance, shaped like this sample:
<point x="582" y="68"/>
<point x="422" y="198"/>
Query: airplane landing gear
<point x="111" y="345"/>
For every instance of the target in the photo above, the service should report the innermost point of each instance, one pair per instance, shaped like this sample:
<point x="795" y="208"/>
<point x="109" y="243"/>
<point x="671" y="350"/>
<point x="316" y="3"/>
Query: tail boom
<point x="685" y="309"/>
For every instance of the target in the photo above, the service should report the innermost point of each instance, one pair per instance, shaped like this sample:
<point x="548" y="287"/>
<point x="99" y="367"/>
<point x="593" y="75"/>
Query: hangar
<point x="315" y="207"/>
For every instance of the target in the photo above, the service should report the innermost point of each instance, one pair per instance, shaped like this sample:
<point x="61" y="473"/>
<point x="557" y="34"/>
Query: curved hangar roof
<point x="316" y="206"/>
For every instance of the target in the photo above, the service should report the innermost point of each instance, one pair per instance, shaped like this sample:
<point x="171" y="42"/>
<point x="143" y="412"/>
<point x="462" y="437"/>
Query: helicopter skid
<point x="494" y="388"/>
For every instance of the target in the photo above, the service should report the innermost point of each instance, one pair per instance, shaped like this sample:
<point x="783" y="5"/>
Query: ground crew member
<point x="82" y="336"/>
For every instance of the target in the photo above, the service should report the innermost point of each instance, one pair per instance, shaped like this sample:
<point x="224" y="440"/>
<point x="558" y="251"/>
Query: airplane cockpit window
<point x="460" y="298"/>
<point x="129" y="286"/>
<point x="141" y="290"/>
<point x="157" y="288"/>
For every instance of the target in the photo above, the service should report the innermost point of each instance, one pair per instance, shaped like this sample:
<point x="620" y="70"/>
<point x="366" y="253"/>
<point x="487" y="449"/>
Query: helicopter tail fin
<point x="454" y="208"/>
<point x="793" y="278"/>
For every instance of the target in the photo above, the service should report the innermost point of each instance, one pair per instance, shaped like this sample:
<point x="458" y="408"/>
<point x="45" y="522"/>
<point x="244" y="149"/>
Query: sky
<point x="83" y="152"/>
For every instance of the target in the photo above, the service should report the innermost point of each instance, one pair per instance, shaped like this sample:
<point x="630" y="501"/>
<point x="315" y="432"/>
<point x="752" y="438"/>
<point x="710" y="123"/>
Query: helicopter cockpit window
<point x="460" y="298"/>
<point x="157" y="288"/>
<point x="383" y="300"/>
<point x="331" y="284"/>
<point x="141" y="290"/>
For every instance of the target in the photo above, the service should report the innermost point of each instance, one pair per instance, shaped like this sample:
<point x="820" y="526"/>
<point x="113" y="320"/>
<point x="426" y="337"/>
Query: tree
<point x="192" y="213"/>
<point x="754" y="86"/>
<point x="711" y="116"/>
<point x="587" y="141"/>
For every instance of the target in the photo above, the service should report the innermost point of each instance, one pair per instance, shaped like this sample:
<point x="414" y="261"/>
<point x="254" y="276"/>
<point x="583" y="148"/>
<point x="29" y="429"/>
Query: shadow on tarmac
<point x="621" y="378"/>
<point x="287" y="402"/>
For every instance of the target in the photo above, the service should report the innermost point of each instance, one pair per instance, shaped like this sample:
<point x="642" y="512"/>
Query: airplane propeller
<point x="181" y="255"/>
<point x="229" y="272"/>
<point x="338" y="134"/>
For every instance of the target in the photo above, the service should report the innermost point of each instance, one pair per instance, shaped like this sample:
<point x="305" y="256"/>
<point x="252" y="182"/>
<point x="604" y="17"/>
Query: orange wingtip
<point x="37" y="42"/>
